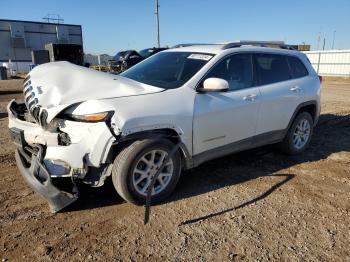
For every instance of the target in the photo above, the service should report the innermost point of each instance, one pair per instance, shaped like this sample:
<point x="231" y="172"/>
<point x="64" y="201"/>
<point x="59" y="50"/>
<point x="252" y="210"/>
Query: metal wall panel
<point x="330" y="62"/>
<point x="35" y="35"/>
<point x="62" y="34"/>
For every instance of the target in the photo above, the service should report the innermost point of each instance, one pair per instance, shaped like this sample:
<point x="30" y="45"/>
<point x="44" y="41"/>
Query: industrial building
<point x="19" y="38"/>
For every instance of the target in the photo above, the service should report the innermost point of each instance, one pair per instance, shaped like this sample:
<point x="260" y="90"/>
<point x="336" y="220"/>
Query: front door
<point x="227" y="118"/>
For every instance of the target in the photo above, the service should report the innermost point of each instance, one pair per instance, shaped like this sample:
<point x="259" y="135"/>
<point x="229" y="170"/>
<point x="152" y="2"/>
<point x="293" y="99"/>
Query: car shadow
<point x="331" y="136"/>
<point x="287" y="177"/>
<point x="95" y="197"/>
<point x="10" y="92"/>
<point x="3" y="115"/>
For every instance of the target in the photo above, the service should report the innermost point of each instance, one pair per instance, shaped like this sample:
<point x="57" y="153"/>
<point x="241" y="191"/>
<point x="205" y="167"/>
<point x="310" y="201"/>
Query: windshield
<point x="119" y="55"/>
<point x="146" y="52"/>
<point x="168" y="69"/>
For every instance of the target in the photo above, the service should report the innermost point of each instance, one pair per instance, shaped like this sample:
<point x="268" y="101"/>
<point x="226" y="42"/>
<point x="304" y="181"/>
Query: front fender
<point x="167" y="132"/>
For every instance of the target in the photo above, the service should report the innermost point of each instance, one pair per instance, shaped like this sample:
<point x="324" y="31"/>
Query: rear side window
<point x="297" y="68"/>
<point x="271" y="68"/>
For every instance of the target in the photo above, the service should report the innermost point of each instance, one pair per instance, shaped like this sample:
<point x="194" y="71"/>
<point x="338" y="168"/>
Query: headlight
<point x="97" y="117"/>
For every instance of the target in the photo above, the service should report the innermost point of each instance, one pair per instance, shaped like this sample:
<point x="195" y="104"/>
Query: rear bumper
<point x="38" y="178"/>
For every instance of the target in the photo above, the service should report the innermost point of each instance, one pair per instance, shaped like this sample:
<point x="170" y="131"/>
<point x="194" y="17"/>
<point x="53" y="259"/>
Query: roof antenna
<point x="53" y="18"/>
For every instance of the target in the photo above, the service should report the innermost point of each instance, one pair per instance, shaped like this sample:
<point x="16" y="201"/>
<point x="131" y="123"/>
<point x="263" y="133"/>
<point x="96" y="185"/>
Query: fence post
<point x="318" y="63"/>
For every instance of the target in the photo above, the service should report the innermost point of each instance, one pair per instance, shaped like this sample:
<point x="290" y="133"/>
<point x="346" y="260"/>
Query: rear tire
<point x="132" y="167"/>
<point x="299" y="134"/>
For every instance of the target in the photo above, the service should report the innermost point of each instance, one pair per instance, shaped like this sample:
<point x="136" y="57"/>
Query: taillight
<point x="320" y="77"/>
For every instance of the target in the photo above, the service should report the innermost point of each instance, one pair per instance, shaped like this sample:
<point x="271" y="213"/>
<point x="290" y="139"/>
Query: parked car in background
<point x="145" y="53"/>
<point x="126" y="59"/>
<point x="202" y="102"/>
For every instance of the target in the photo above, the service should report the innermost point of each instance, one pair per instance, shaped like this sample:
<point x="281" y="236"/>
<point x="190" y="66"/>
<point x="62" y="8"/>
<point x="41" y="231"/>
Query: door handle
<point x="250" y="97"/>
<point x="295" y="89"/>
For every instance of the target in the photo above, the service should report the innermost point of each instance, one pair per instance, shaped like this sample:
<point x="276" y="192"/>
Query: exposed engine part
<point x="63" y="139"/>
<point x="97" y="176"/>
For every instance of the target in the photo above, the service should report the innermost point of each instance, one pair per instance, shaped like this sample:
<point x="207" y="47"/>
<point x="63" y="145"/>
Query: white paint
<point x="216" y="84"/>
<point x="69" y="84"/>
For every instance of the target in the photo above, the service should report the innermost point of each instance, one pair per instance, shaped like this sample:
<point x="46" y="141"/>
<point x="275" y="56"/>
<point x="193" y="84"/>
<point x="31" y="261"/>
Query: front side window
<point x="271" y="68"/>
<point x="297" y="68"/>
<point x="236" y="69"/>
<point x="168" y="69"/>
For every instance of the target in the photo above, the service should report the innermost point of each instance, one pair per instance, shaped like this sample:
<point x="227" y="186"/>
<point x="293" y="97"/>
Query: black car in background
<point x="151" y="51"/>
<point x="126" y="59"/>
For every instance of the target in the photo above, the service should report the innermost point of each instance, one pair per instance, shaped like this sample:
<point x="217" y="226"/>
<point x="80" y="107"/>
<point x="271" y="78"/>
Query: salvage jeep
<point x="207" y="100"/>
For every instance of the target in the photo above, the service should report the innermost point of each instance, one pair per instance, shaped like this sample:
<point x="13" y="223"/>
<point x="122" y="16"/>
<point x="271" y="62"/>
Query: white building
<point x="19" y="38"/>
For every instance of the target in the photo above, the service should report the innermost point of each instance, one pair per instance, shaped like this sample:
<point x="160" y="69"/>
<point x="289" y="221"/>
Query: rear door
<point x="280" y="93"/>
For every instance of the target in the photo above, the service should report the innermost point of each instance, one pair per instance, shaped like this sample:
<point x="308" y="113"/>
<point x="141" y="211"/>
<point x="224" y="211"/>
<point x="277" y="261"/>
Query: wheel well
<point x="166" y="133"/>
<point x="311" y="109"/>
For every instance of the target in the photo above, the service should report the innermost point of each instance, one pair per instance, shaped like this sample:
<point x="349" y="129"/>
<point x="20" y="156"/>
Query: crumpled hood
<point x="58" y="85"/>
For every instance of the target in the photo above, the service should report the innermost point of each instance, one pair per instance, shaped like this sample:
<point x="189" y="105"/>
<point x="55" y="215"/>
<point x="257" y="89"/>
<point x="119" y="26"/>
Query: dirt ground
<point x="258" y="205"/>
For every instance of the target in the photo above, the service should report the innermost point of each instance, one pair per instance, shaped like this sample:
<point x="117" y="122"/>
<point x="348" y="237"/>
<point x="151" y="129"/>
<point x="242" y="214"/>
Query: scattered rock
<point x="232" y="256"/>
<point x="44" y="250"/>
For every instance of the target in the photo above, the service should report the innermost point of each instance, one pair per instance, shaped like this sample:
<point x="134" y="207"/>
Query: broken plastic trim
<point x="38" y="178"/>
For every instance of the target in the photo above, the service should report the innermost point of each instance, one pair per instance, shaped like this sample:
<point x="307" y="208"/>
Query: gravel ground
<point x="257" y="205"/>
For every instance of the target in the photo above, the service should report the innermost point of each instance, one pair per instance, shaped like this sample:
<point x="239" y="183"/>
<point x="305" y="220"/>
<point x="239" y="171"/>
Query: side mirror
<point x="214" y="84"/>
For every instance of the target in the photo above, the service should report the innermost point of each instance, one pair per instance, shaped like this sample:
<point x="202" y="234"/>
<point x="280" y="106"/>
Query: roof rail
<point x="273" y="44"/>
<point x="189" y="44"/>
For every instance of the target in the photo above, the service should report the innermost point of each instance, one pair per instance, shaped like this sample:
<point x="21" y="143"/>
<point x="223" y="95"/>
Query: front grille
<point x="30" y="100"/>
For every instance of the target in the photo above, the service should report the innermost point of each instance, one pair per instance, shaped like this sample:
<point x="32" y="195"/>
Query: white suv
<point x="210" y="100"/>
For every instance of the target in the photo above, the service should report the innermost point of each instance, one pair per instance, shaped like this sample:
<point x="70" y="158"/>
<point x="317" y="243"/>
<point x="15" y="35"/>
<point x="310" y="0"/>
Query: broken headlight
<point x="97" y="117"/>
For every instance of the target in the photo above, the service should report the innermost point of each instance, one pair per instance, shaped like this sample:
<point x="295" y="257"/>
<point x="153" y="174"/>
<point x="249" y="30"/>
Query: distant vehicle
<point x="178" y="109"/>
<point x="145" y="53"/>
<point x="126" y="59"/>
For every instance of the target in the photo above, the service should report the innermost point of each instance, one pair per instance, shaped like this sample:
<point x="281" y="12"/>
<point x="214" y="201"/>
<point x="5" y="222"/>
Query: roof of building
<point x="34" y="22"/>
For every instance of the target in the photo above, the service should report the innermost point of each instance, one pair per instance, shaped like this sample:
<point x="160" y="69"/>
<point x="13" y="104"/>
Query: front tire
<point x="299" y="134"/>
<point x="133" y="167"/>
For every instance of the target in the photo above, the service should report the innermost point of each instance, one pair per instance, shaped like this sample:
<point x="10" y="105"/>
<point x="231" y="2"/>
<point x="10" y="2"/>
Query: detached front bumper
<point x="39" y="180"/>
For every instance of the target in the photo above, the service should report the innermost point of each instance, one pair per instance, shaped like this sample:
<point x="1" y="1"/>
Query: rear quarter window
<point x="297" y="67"/>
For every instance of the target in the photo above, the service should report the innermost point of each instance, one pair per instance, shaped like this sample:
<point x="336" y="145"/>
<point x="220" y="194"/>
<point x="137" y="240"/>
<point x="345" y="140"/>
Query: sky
<point x="113" y="25"/>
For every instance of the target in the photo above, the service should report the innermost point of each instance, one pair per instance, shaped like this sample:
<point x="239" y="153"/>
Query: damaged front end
<point x="54" y="158"/>
<point x="38" y="178"/>
<point x="67" y="128"/>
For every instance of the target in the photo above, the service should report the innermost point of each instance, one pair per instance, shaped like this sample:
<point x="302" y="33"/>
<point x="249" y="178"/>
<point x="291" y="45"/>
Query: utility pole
<point x="157" y="16"/>
<point x="319" y="55"/>
<point x="318" y="40"/>
<point x="333" y="39"/>
<point x="324" y="43"/>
